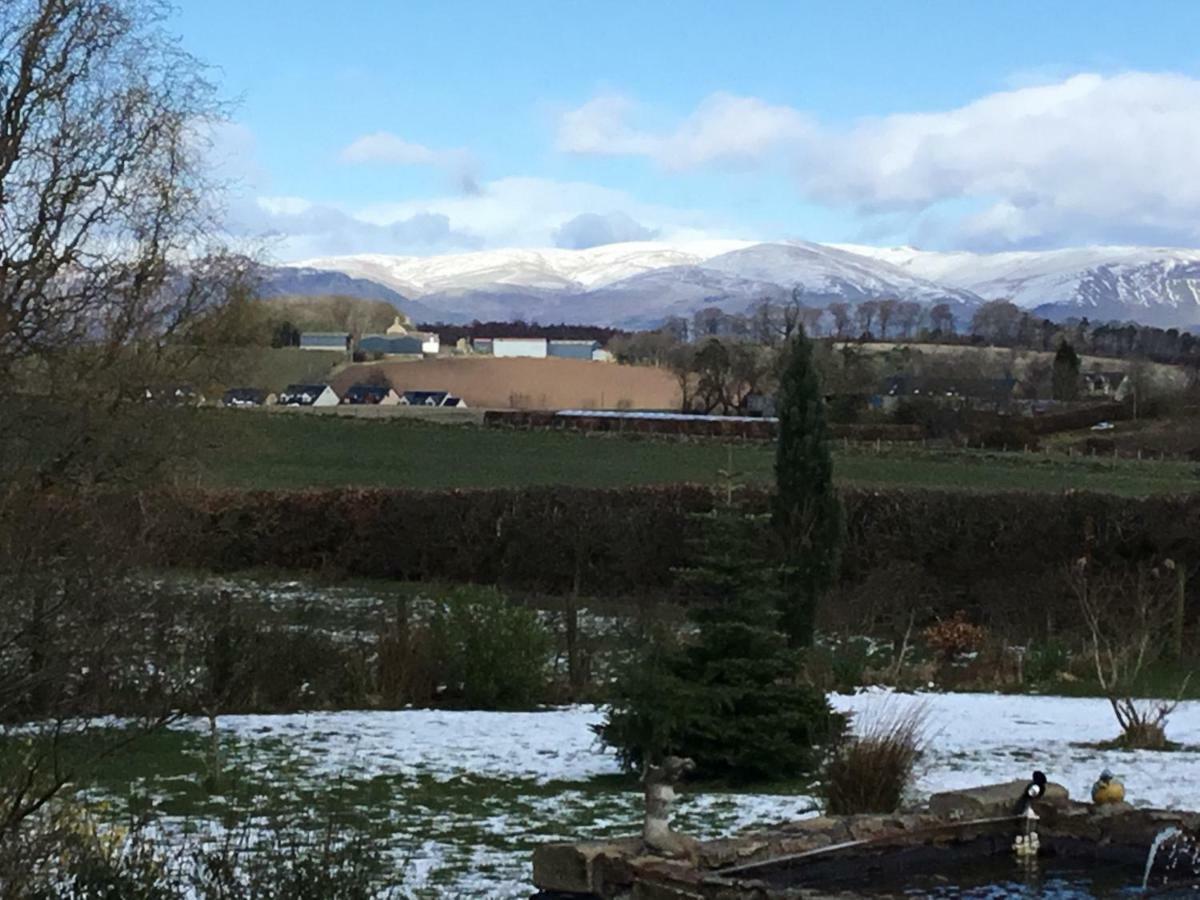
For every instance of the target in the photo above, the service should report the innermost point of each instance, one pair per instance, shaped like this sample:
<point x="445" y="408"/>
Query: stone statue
<point x="659" y="785"/>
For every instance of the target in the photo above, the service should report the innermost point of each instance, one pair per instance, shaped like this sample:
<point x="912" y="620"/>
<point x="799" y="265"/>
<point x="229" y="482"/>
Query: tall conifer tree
<point x="1065" y="376"/>
<point x="806" y="512"/>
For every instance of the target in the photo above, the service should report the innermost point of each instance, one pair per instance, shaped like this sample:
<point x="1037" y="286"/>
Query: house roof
<point x="303" y="393"/>
<point x="422" y="398"/>
<point x="246" y="395"/>
<point x="358" y="393"/>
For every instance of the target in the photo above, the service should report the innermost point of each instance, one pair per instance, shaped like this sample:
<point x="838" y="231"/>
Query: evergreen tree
<point x="1065" y="378"/>
<point x="806" y="512"/>
<point x="731" y="697"/>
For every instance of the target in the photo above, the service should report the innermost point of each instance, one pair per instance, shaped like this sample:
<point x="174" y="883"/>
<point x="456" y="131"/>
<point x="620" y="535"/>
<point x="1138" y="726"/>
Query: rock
<point x="990" y="801"/>
<point x="571" y="868"/>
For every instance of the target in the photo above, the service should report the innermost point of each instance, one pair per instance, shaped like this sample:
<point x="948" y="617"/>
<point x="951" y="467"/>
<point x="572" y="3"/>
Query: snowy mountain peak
<point x="638" y="284"/>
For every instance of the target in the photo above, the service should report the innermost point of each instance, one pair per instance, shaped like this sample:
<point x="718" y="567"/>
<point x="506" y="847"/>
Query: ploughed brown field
<point x="528" y="383"/>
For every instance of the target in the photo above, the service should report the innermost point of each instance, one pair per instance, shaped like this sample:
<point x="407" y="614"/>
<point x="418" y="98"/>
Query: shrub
<point x="1046" y="661"/>
<point x="69" y="854"/>
<point x="869" y="772"/>
<point x="953" y="637"/>
<point x="492" y="654"/>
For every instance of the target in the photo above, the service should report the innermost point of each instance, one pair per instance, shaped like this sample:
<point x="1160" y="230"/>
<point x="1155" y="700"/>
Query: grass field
<point x="250" y="449"/>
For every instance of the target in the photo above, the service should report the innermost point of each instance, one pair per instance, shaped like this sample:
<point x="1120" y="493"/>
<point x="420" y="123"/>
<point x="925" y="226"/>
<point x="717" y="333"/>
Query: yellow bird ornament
<point x="1108" y="789"/>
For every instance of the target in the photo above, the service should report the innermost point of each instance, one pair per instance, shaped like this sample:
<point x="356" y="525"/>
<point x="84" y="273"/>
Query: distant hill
<point x="297" y="281"/>
<point x="640" y="284"/>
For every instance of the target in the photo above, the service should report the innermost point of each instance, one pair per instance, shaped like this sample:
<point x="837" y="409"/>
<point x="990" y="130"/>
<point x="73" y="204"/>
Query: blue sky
<point x="432" y="127"/>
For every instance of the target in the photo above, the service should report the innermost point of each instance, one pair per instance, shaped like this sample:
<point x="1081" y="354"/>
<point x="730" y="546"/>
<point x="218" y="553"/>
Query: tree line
<point x="999" y="323"/>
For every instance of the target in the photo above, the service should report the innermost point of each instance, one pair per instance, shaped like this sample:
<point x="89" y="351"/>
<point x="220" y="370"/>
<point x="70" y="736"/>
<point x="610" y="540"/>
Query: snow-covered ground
<point x="980" y="738"/>
<point x="975" y="738"/>
<point x="465" y="796"/>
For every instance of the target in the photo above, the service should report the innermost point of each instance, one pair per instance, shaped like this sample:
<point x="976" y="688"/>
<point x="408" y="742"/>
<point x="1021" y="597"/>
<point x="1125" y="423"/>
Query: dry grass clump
<point x="872" y="768"/>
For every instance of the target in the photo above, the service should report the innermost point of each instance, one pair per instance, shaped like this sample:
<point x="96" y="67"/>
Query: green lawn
<point x="251" y="449"/>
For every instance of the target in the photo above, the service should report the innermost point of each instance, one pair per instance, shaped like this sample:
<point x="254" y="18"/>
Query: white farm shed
<point x="530" y="348"/>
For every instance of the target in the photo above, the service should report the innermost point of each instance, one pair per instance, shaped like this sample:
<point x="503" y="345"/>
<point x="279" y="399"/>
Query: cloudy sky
<point x="437" y="126"/>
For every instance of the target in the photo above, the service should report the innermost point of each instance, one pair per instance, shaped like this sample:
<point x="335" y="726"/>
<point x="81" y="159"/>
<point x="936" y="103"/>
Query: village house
<point x="370" y="395"/>
<point x="174" y="395"/>
<point x="1109" y="385"/>
<point x="308" y="395"/>
<point x="442" y="399"/>
<point x="238" y="398"/>
<point x="978" y="393"/>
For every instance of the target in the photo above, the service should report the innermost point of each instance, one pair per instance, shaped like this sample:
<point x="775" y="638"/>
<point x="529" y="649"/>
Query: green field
<point x="253" y="449"/>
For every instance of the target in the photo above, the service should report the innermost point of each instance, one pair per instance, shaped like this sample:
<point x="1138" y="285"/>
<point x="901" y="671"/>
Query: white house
<point x="528" y="348"/>
<point x="308" y="395"/>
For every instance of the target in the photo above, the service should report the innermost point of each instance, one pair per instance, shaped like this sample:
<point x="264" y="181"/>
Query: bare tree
<point x="887" y="312"/>
<point x="865" y="314"/>
<point x="112" y="291"/>
<point x="1130" y="619"/>
<point x="681" y="360"/>
<point x="998" y="322"/>
<point x="840" y="313"/>
<point x="941" y="319"/>
<point x="908" y="315"/>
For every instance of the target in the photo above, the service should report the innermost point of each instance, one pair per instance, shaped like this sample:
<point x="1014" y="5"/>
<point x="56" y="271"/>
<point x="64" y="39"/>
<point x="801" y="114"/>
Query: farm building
<point x="325" y="340"/>
<point x="238" y="398"/>
<point x="529" y="348"/>
<point x="541" y="348"/>
<point x="392" y="345"/>
<point x="401" y="340"/>
<point x="431" y="398"/>
<point x="572" y="349"/>
<point x="370" y="395"/>
<point x="308" y="395"/>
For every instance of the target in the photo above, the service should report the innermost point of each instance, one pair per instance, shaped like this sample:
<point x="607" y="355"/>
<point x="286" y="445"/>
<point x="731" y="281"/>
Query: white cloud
<point x="724" y="129"/>
<point x="1085" y="158"/>
<point x="592" y="230"/>
<point x="385" y="148"/>
<point x="527" y="212"/>
<point x="508" y="212"/>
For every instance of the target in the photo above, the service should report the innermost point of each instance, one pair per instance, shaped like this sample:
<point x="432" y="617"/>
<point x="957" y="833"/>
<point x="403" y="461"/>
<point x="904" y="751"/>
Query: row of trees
<point x="998" y="323"/>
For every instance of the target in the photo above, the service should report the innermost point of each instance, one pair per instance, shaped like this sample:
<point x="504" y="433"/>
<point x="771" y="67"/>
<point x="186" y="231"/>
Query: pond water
<point x="996" y="878"/>
<point x="981" y="870"/>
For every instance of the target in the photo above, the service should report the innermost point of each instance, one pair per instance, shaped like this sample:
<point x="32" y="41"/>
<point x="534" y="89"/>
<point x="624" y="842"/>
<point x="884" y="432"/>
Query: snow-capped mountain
<point x="551" y="269"/>
<point x="1154" y="286"/>
<point x="642" y="283"/>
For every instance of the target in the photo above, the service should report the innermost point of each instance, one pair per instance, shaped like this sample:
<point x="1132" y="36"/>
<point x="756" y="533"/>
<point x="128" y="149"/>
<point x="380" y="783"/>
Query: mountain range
<point x="640" y="284"/>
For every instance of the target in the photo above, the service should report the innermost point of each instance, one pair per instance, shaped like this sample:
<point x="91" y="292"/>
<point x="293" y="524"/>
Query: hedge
<point x="1002" y="556"/>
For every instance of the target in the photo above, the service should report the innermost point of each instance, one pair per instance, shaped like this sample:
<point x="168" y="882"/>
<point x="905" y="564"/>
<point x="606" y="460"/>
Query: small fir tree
<point x="806" y="512"/>
<point x="1065" y="377"/>
<point x="731" y="697"/>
